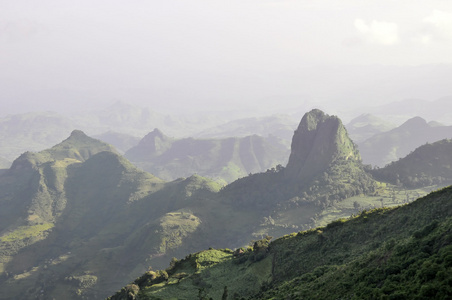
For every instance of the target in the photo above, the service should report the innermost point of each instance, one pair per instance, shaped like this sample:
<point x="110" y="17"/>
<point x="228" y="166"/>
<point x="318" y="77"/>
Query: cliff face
<point x="319" y="141"/>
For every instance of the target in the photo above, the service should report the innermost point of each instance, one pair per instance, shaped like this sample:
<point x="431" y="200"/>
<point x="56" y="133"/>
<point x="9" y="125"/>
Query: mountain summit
<point x="153" y="144"/>
<point x="319" y="141"/>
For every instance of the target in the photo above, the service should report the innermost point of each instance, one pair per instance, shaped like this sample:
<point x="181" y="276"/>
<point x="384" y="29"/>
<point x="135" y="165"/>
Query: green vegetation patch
<point x="24" y="232"/>
<point x="174" y="227"/>
<point x="212" y="274"/>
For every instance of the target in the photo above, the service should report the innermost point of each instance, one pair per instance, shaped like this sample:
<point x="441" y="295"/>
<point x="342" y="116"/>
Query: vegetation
<point x="79" y="221"/>
<point x="397" y="253"/>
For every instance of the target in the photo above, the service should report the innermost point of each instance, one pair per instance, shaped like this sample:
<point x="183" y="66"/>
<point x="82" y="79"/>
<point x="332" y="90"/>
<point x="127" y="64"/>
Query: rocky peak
<point x="319" y="141"/>
<point x="154" y="143"/>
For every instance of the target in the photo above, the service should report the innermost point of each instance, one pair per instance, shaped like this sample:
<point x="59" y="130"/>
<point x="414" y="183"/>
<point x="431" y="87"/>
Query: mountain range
<point x="223" y="160"/>
<point x="365" y="126"/>
<point x="79" y="220"/>
<point x="389" y="146"/>
<point x="439" y="110"/>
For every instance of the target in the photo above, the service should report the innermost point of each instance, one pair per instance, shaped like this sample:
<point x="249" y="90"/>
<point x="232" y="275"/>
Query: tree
<point x="225" y="293"/>
<point x="173" y="262"/>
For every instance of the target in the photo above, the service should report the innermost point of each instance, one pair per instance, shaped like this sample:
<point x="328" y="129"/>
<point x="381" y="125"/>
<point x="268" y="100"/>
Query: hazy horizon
<point x="180" y="57"/>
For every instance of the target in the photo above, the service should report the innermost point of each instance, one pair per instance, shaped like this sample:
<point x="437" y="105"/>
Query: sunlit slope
<point x="403" y="252"/>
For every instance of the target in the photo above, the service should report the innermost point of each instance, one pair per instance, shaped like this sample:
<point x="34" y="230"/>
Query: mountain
<point x="439" y="110"/>
<point x="427" y="165"/>
<point x="221" y="159"/>
<point x="79" y="220"/>
<point x="138" y="121"/>
<point x="59" y="208"/>
<point x="281" y="126"/>
<point x="4" y="164"/>
<point x="389" y="146"/>
<point x="366" y="126"/>
<point x="121" y="141"/>
<point x="32" y="132"/>
<point x="319" y="141"/>
<point x="324" y="168"/>
<point x="33" y="191"/>
<point x="399" y="253"/>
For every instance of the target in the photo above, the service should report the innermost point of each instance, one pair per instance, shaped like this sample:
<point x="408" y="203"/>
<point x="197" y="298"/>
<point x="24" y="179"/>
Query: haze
<point x="185" y="56"/>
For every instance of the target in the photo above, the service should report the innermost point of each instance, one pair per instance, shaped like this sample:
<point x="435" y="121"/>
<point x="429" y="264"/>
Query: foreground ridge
<point x="404" y="252"/>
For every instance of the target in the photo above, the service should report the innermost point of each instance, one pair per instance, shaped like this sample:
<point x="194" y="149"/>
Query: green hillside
<point x="223" y="160"/>
<point x="399" y="253"/>
<point x="53" y="203"/>
<point x="430" y="164"/>
<point x="78" y="221"/>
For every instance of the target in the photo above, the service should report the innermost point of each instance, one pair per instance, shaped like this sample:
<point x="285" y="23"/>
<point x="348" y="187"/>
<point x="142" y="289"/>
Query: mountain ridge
<point x="399" y="252"/>
<point x="389" y="146"/>
<point x="104" y="222"/>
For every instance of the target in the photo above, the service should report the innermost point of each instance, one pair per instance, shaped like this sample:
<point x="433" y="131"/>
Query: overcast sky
<point x="193" y="55"/>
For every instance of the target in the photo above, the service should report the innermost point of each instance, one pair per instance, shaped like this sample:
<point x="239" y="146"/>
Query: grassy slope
<point x="403" y="252"/>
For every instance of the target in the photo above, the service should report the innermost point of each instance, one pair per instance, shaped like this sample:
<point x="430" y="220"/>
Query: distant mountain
<point x="439" y="110"/>
<point x="138" y="121"/>
<point x="40" y="130"/>
<point x="4" y="164"/>
<point x="32" y="132"/>
<point x="223" y="159"/>
<point x="427" y="165"/>
<point x="281" y="126"/>
<point x="386" y="147"/>
<point x="366" y="126"/>
<point x="120" y="141"/>
<point x="400" y="253"/>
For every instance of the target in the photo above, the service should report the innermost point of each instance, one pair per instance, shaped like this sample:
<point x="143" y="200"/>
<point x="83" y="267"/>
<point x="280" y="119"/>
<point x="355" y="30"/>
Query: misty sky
<point x="208" y="55"/>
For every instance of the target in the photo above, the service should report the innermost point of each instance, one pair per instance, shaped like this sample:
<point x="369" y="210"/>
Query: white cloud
<point x="384" y="33"/>
<point x="438" y="25"/>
